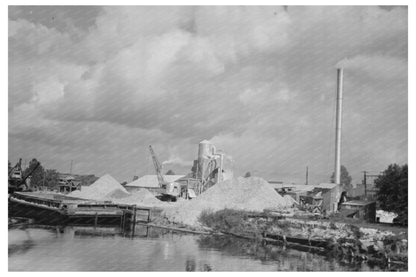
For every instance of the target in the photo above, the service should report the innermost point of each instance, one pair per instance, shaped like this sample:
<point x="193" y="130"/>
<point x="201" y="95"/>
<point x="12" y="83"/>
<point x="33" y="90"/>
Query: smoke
<point x="376" y="66"/>
<point x="178" y="161"/>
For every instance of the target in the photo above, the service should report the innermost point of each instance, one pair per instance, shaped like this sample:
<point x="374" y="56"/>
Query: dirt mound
<point x="142" y="197"/>
<point x="249" y="194"/>
<point x="117" y="194"/>
<point x="105" y="185"/>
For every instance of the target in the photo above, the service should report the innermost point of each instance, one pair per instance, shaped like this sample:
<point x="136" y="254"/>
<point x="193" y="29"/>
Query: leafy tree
<point x="170" y="172"/>
<point x="247" y="175"/>
<point x="345" y="178"/>
<point x="392" y="189"/>
<point x="51" y="178"/>
<point x="37" y="174"/>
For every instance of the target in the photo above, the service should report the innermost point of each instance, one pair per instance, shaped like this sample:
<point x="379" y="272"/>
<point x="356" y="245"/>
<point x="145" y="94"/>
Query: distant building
<point x="320" y="198"/>
<point x="359" y="209"/>
<point x="68" y="183"/>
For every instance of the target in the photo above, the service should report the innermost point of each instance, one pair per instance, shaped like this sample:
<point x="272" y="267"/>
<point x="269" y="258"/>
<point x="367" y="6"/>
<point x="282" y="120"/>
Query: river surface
<point x="35" y="248"/>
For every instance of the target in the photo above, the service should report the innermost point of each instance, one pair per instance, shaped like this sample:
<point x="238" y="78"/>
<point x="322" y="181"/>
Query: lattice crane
<point x="158" y="167"/>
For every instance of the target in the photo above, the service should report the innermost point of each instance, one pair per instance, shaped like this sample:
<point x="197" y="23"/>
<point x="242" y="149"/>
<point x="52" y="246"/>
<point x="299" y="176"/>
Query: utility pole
<point x="307" y="175"/>
<point x="70" y="170"/>
<point x="365" y="183"/>
<point x="368" y="176"/>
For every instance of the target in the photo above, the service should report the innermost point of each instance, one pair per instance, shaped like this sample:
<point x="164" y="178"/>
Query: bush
<point x="207" y="218"/>
<point x="226" y="220"/>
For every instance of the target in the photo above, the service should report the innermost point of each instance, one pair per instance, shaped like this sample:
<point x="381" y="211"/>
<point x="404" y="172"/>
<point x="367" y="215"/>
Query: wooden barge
<point x="54" y="208"/>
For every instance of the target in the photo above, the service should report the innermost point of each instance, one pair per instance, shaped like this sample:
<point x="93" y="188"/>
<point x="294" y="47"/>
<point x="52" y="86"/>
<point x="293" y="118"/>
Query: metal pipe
<point x="338" y="127"/>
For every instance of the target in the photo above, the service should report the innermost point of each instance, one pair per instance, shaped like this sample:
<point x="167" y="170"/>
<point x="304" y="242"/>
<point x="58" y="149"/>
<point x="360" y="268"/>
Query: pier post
<point x="134" y="220"/>
<point x="96" y="220"/>
<point x="122" y="220"/>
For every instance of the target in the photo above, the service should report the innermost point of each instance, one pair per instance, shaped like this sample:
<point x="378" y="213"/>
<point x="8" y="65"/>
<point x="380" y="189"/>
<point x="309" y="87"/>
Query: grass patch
<point x="232" y="221"/>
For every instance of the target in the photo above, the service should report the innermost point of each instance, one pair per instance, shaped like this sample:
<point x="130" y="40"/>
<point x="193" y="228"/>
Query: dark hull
<point x="57" y="215"/>
<point x="44" y="215"/>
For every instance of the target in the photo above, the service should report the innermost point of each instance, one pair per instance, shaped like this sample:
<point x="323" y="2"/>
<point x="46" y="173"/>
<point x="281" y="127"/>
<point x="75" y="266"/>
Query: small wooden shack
<point x="359" y="209"/>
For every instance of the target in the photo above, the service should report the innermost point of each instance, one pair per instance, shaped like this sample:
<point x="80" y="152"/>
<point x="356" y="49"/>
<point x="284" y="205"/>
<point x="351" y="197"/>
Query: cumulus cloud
<point x="245" y="76"/>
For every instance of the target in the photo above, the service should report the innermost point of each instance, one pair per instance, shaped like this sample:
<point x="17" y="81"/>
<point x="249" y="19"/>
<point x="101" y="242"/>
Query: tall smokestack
<point x="338" y="127"/>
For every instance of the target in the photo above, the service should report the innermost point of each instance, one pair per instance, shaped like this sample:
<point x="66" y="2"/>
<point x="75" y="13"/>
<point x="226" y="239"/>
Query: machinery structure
<point x="208" y="169"/>
<point x="170" y="190"/>
<point x="16" y="180"/>
<point x="209" y="166"/>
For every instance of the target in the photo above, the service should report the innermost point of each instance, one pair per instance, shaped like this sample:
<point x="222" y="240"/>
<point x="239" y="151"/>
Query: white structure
<point x="338" y="127"/>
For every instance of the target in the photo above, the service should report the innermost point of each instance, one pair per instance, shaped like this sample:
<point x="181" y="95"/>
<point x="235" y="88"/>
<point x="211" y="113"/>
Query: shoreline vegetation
<point x="354" y="242"/>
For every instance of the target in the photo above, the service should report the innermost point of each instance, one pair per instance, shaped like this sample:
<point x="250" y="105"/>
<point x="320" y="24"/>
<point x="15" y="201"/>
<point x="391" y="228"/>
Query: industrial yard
<point x="213" y="202"/>
<point x="208" y="138"/>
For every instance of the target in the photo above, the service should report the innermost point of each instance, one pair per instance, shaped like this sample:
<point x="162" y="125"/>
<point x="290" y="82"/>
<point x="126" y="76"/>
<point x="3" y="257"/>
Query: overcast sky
<point x="97" y="85"/>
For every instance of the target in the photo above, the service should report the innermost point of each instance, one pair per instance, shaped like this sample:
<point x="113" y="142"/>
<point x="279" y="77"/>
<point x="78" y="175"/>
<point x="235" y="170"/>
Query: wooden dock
<point x="61" y="209"/>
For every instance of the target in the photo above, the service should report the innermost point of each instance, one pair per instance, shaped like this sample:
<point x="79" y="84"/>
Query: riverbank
<point x="87" y="248"/>
<point x="382" y="245"/>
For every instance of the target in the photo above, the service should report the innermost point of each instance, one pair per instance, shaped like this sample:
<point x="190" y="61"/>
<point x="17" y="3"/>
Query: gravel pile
<point x="105" y="185"/>
<point x="248" y="194"/>
<point x="142" y="197"/>
<point x="107" y="188"/>
<point x="117" y="194"/>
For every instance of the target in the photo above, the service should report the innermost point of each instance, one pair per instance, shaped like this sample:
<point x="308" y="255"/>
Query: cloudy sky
<point x="97" y="85"/>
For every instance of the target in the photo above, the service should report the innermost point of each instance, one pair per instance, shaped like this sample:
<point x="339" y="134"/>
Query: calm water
<point x="153" y="249"/>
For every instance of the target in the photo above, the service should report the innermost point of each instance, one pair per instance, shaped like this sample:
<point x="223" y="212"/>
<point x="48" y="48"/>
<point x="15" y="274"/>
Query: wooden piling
<point x="122" y="220"/>
<point x="96" y="220"/>
<point x="134" y="220"/>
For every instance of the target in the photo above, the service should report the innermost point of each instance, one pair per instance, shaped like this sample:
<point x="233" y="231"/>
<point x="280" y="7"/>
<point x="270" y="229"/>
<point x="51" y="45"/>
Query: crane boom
<point x="158" y="167"/>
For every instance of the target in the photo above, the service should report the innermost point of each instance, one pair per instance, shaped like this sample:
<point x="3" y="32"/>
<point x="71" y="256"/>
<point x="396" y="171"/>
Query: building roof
<point x="326" y="185"/>
<point x="358" y="203"/>
<point x="151" y="181"/>
<point x="294" y="187"/>
<point x="66" y="177"/>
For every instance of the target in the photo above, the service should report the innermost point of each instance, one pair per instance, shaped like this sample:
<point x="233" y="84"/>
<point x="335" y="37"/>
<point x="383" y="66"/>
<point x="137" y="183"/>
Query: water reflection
<point x="285" y="259"/>
<point x="80" y="248"/>
<point x="21" y="248"/>
<point x="191" y="265"/>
